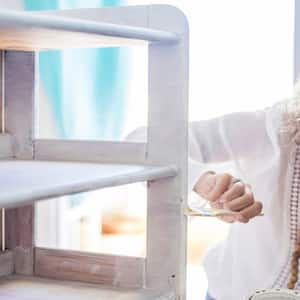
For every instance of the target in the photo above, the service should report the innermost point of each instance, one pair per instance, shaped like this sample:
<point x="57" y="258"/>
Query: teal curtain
<point x="86" y="88"/>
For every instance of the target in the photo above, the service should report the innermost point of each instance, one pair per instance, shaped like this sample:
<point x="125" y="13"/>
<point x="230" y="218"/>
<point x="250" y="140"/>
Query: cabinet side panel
<point x="168" y="144"/>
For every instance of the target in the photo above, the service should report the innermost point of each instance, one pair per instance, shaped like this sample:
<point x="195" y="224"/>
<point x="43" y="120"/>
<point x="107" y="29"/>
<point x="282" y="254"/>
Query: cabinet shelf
<point x="33" y="170"/>
<point x="24" y="182"/>
<point x="37" y="31"/>
<point x="34" y="288"/>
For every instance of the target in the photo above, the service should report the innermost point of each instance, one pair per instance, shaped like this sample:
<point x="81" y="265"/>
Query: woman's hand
<point x="222" y="192"/>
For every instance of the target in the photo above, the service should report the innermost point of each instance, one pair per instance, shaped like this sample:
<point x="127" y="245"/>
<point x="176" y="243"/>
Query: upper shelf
<point x="30" y="32"/>
<point x="23" y="182"/>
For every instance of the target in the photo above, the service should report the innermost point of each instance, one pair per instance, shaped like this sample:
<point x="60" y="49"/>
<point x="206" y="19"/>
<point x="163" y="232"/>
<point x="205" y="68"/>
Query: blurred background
<point x="241" y="58"/>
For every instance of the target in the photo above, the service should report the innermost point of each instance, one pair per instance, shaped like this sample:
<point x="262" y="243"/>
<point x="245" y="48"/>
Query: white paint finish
<point x="20" y="89"/>
<point x="167" y="145"/>
<point x="31" y="288"/>
<point x="169" y="18"/>
<point x="20" y="93"/>
<point x="5" y="146"/>
<point x="19" y="237"/>
<point x="32" y="39"/>
<point x="90" y="151"/>
<point x="6" y="263"/>
<point x="32" y="31"/>
<point x="297" y="40"/>
<point x="168" y="121"/>
<point x="12" y="4"/>
<point x="117" y="271"/>
<point x="24" y="182"/>
<point x="136" y="16"/>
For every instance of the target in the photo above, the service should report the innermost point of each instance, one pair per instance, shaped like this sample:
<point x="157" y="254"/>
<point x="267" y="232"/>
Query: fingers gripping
<point x="222" y="183"/>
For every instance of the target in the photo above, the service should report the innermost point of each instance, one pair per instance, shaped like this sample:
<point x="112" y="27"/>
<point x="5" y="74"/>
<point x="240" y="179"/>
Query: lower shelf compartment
<point x="35" y="288"/>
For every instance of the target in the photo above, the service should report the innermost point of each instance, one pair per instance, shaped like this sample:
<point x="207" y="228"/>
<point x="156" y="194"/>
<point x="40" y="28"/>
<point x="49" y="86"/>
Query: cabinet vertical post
<point x="20" y="93"/>
<point x="168" y="144"/>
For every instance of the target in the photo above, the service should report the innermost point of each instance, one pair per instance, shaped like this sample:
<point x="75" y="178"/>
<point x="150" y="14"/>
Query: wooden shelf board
<point x="34" y="288"/>
<point x="26" y="31"/>
<point x="24" y="182"/>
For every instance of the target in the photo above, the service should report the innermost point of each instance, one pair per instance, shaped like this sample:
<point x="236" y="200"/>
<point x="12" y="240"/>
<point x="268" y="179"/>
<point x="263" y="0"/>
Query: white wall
<point x="241" y="53"/>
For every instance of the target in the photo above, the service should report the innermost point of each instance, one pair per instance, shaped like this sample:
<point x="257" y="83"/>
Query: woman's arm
<point x="228" y="137"/>
<point x="234" y="137"/>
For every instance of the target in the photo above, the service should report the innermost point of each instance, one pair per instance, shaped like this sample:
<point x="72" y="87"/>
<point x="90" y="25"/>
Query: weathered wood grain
<point x="30" y="288"/>
<point x="93" y="268"/>
<point x="21" y="82"/>
<point x="20" y="93"/>
<point x="6" y="263"/>
<point x="90" y="151"/>
<point x="19" y="237"/>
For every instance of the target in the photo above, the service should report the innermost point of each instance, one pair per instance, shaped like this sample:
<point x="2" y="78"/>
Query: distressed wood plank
<point x="90" y="151"/>
<point x="93" y="268"/>
<point x="6" y="263"/>
<point x="32" y="288"/>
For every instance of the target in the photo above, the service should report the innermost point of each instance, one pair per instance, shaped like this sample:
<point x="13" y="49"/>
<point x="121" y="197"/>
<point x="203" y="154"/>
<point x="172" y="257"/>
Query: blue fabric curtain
<point x="85" y="87"/>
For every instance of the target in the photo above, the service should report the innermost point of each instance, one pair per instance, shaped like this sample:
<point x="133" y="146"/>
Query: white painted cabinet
<point x="32" y="170"/>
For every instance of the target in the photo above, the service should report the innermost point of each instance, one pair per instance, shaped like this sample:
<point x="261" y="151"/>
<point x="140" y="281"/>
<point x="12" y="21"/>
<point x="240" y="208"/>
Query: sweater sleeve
<point x="230" y="138"/>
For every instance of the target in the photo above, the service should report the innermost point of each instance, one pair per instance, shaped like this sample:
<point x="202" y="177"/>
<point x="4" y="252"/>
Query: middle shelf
<point x="24" y="182"/>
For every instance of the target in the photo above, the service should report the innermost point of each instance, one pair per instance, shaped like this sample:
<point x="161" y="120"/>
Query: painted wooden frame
<point x="28" y="31"/>
<point x="20" y="84"/>
<point x="90" y="151"/>
<point x="164" y="268"/>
